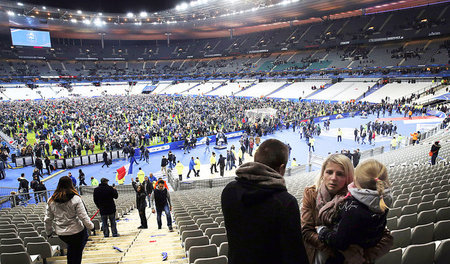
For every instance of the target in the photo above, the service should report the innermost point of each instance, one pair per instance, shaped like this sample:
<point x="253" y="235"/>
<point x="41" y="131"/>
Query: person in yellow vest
<point x="399" y="140"/>
<point x="120" y="182"/>
<point x="410" y="114"/>
<point x="311" y="144"/>
<point x="94" y="182"/>
<point x="393" y="143"/>
<point x="339" y="135"/>
<point x="179" y="167"/>
<point x="212" y="162"/>
<point x="294" y="163"/>
<point x="197" y="167"/>
<point x="141" y="175"/>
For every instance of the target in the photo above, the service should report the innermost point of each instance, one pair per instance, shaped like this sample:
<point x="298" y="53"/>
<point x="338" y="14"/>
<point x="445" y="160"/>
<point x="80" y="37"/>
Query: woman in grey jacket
<point x="67" y="210"/>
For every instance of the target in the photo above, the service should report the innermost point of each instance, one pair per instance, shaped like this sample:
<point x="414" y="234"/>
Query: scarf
<point x="260" y="174"/>
<point x="327" y="205"/>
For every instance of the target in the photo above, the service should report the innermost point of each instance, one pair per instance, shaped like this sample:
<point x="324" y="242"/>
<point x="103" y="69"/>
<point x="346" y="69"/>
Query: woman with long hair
<point x="322" y="199"/>
<point x="67" y="210"/>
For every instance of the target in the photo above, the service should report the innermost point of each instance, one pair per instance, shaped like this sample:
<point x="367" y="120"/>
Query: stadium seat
<point x="392" y="257"/>
<point x="439" y="203"/>
<point x="196" y="217"/>
<point x="187" y="228"/>
<point x="409" y="209"/>
<point x="186" y="222"/>
<point x="422" y="234"/>
<point x="195" y="241"/>
<point x="205" y="226"/>
<point x="215" y="260"/>
<point x="223" y="249"/>
<point x="33" y="240"/>
<point x="18" y="257"/>
<point x="11" y="241"/>
<point x="419" y="254"/>
<point x="443" y="213"/>
<point x="402" y="237"/>
<point x="204" y="221"/>
<point x="191" y="233"/>
<point x="428" y="197"/>
<point x="441" y="230"/>
<point x="44" y="249"/>
<point x="23" y="235"/>
<point x="409" y="220"/>
<point x="8" y="235"/>
<point x="442" y="255"/>
<point x="392" y="223"/>
<point x="218" y="239"/>
<point x="216" y="230"/>
<point x="400" y="203"/>
<point x="206" y="251"/>
<point x="425" y="217"/>
<point x="423" y="206"/>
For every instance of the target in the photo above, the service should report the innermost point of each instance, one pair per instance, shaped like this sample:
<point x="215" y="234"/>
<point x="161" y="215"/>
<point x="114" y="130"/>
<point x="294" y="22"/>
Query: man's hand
<point x="153" y="211"/>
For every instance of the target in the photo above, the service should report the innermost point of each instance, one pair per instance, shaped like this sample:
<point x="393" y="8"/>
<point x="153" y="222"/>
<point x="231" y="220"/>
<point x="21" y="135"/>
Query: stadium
<point x="115" y="92"/>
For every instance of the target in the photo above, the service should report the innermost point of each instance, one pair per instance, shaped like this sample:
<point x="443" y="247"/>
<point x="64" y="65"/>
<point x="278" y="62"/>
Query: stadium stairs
<point x="279" y="89"/>
<point x="326" y="86"/>
<point x="245" y="88"/>
<point x="372" y="90"/>
<point x="218" y="87"/>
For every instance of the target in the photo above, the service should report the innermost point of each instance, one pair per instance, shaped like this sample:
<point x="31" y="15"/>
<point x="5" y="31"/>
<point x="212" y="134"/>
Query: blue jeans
<point x="167" y="212"/>
<point x="112" y="220"/>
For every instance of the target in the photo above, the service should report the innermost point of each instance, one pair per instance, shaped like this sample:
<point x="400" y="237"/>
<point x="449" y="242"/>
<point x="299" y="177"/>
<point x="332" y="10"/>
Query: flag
<point x="121" y="172"/>
<point x="56" y="152"/>
<point x="130" y="167"/>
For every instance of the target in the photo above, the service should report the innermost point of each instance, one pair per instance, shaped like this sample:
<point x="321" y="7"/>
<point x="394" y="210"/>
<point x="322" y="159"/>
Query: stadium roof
<point x="195" y="19"/>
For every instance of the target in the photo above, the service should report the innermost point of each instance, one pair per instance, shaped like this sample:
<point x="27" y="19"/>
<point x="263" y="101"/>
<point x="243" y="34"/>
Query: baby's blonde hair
<point x="372" y="174"/>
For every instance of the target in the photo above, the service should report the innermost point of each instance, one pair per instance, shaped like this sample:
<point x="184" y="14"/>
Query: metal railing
<point x="16" y="198"/>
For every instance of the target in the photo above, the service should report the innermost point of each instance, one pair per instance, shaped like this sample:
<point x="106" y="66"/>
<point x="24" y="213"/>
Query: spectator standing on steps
<point x="161" y="201"/>
<point x="164" y="163"/>
<point x="434" y="152"/>
<point x="179" y="167"/>
<point x="67" y="210"/>
<point x="260" y="212"/>
<point x="104" y="196"/>
<point x="148" y="188"/>
<point x="141" y="204"/>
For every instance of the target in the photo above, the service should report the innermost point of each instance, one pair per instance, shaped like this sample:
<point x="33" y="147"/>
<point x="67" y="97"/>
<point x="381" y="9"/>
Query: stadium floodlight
<point x="130" y="15"/>
<point x="44" y="7"/>
<point x="182" y="6"/>
<point x="98" y="22"/>
<point x="100" y="14"/>
<point x="19" y="4"/>
<point x="74" y="20"/>
<point x="10" y="13"/>
<point x="87" y="21"/>
<point x="143" y="14"/>
<point x="79" y="12"/>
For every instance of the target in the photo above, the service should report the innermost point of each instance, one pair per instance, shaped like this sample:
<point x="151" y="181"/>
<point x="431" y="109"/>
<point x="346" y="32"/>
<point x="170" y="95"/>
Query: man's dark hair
<point x="160" y="182"/>
<point x="272" y="153"/>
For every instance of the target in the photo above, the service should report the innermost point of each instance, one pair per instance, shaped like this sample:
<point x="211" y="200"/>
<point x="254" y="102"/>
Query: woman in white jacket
<point x="67" y="210"/>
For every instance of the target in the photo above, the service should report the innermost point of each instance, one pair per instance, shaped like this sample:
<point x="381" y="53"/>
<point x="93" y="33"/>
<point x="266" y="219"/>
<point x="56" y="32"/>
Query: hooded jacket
<point x="261" y="218"/>
<point x="360" y="221"/>
<point x="69" y="214"/>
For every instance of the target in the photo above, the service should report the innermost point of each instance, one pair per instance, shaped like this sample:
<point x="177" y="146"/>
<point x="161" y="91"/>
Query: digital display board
<point x="32" y="38"/>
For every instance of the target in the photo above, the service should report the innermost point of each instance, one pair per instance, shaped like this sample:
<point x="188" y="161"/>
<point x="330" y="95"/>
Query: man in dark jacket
<point x="261" y="218"/>
<point x="160" y="199"/>
<point x="104" y="196"/>
<point x="39" y="165"/>
<point x="221" y="163"/>
<point x="355" y="157"/>
<point x="47" y="165"/>
<point x="434" y="152"/>
<point x="105" y="159"/>
<point x="33" y="185"/>
<point x="23" y="186"/>
<point x="148" y="188"/>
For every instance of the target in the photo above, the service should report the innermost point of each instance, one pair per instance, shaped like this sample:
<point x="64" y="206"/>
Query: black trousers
<point x="143" y="218"/>
<point x="215" y="168"/>
<point x="75" y="245"/>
